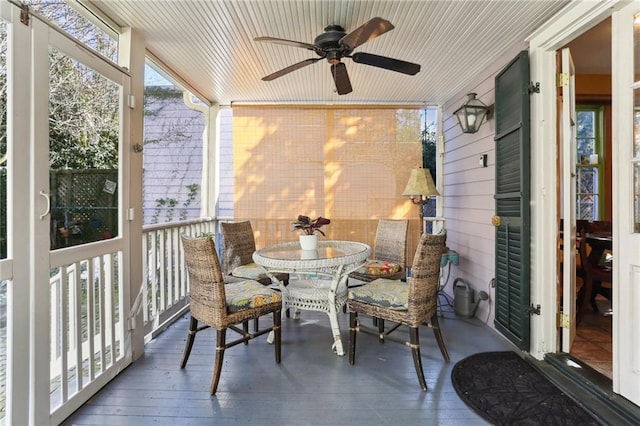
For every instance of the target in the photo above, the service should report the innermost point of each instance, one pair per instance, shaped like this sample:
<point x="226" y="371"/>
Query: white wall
<point x="225" y="195"/>
<point x="468" y="189"/>
<point x="172" y="157"/>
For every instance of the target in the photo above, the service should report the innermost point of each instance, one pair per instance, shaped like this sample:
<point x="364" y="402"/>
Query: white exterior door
<point x="626" y="202"/>
<point x="568" y="144"/>
<point x="68" y="302"/>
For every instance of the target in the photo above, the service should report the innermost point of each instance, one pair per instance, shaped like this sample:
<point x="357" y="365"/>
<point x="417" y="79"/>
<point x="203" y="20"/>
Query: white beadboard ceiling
<point x="209" y="44"/>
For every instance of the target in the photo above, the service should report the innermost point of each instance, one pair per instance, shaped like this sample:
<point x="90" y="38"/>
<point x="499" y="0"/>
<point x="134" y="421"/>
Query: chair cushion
<point x="378" y="267"/>
<point x="249" y="294"/>
<point x="250" y="271"/>
<point x="391" y="294"/>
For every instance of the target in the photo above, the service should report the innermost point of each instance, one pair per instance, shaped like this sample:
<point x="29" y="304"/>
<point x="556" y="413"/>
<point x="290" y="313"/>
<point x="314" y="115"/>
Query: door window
<point x="84" y="133"/>
<point x="590" y="167"/>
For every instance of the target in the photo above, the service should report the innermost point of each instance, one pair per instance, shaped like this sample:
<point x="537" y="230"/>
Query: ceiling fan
<point x="334" y="44"/>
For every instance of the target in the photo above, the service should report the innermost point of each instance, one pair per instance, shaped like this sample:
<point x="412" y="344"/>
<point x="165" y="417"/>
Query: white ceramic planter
<point x="309" y="242"/>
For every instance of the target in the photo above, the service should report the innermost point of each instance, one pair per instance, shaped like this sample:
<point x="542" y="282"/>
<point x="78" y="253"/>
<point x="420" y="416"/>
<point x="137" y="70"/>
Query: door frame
<point x="575" y="19"/>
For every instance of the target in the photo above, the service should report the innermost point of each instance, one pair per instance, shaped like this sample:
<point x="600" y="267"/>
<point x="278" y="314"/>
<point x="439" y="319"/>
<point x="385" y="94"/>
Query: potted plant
<point x="308" y="237"/>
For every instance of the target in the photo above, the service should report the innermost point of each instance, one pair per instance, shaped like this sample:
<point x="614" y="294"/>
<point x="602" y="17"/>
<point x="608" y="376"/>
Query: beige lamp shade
<point x="420" y="183"/>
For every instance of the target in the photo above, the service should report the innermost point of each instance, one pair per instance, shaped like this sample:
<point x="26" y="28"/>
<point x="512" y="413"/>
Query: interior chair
<point x="410" y="303"/>
<point x="238" y="245"/>
<point x="594" y="275"/>
<point x="223" y="306"/>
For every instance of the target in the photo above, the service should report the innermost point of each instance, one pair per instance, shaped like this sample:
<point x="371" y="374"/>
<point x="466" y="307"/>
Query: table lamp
<point x="420" y="188"/>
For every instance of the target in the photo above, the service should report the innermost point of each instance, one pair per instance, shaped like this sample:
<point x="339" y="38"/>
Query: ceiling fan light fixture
<point x="471" y="114"/>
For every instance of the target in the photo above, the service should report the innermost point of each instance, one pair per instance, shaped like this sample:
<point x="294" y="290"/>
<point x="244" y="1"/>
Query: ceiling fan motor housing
<point x="328" y="43"/>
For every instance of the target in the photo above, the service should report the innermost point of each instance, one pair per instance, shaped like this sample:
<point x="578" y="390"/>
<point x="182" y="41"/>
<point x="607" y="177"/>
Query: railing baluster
<point x="145" y="276"/>
<point x="175" y="265"/>
<point x="64" y="302"/>
<point x="162" y="269"/>
<point x="153" y="270"/>
<point x="110" y="309"/>
<point x="77" y="323"/>
<point x="102" y="291"/>
<point x="169" y="266"/>
<point x="91" y="316"/>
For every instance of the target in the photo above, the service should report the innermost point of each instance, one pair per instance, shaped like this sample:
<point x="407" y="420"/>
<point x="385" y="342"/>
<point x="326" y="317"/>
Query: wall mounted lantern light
<point x="420" y="188"/>
<point x="471" y="114"/>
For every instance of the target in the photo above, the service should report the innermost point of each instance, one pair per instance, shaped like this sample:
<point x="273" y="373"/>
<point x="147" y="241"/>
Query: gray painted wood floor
<point x="311" y="386"/>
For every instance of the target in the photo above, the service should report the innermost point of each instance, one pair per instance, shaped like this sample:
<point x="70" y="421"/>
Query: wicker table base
<point x="320" y="282"/>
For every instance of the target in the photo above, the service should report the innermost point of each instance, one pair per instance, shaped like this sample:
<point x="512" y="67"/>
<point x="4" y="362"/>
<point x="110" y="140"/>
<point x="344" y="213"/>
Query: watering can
<point x="464" y="301"/>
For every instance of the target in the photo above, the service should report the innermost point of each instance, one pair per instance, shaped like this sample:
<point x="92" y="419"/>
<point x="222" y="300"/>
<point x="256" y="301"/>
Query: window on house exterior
<point x="590" y="167"/>
<point x="173" y="150"/>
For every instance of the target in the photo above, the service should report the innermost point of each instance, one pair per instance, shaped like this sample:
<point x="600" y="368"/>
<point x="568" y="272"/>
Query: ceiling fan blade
<point x="286" y="42"/>
<point x="365" y="32"/>
<point x="386" y="63"/>
<point x="341" y="78"/>
<point x="290" y="68"/>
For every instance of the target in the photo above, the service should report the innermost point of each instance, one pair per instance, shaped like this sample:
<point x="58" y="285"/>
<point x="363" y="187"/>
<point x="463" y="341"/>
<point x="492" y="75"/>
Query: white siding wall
<point x="225" y="198"/>
<point x="468" y="189"/>
<point x="172" y="157"/>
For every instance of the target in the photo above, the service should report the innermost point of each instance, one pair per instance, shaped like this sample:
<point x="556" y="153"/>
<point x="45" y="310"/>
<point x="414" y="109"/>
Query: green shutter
<point x="512" y="245"/>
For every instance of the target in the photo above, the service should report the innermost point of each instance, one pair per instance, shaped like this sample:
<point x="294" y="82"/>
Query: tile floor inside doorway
<point x="593" y="343"/>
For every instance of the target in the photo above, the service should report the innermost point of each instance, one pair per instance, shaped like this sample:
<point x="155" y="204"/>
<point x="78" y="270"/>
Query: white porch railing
<point x="166" y="289"/>
<point x="87" y="331"/>
<point x="86" y="325"/>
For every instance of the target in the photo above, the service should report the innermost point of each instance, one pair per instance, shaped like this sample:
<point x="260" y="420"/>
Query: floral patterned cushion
<point x="378" y="267"/>
<point x="392" y="294"/>
<point x="249" y="294"/>
<point x="250" y="271"/>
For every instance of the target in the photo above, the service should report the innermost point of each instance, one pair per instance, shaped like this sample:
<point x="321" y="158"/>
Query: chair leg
<point x="437" y="331"/>
<point x="353" y="321"/>
<point x="277" y="334"/>
<point x="380" y="322"/>
<point x="414" y="343"/>
<point x="256" y="325"/>
<point x="586" y="297"/>
<point x="193" y="329"/>
<point x="221" y="341"/>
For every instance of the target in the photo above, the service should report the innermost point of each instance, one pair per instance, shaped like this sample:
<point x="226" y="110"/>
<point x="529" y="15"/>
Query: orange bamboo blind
<point x="349" y="165"/>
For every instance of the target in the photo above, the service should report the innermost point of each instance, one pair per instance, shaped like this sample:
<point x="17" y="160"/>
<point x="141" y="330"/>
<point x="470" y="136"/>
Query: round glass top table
<point x="321" y="283"/>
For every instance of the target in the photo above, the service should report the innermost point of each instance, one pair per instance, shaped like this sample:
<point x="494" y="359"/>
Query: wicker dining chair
<point x="238" y="245"/>
<point x="389" y="257"/>
<point x="223" y="305"/>
<point x="410" y="303"/>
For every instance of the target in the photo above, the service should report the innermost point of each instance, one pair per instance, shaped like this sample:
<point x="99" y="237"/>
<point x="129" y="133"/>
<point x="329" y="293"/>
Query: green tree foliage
<point x="429" y="139"/>
<point x="413" y="126"/>
<point x="83" y="105"/>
